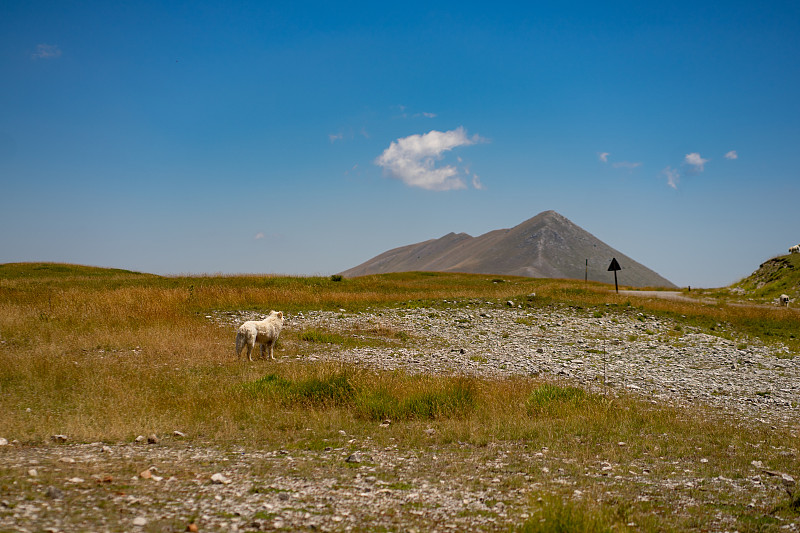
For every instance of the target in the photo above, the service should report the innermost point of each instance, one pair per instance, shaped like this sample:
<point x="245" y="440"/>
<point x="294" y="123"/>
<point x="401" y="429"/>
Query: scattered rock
<point x="33" y="472"/>
<point x="786" y="479"/>
<point x="140" y="439"/>
<point x="140" y="521"/>
<point x="153" y="439"/>
<point x="355" y="457"/>
<point x="180" y="435"/>
<point x="3" y="442"/>
<point x="386" y="423"/>
<point x="59" y="438"/>
<point x="220" y="479"/>
<point x="54" y="493"/>
<point x="192" y="528"/>
<point x="68" y="460"/>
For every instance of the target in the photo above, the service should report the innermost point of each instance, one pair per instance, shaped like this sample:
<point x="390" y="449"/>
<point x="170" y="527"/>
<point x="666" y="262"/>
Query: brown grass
<point x="111" y="357"/>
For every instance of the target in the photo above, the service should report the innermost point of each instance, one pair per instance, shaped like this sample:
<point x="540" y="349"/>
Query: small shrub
<point x="326" y="391"/>
<point x="336" y="277"/>
<point x="321" y="337"/>
<point x="456" y="399"/>
<point x="551" y="399"/>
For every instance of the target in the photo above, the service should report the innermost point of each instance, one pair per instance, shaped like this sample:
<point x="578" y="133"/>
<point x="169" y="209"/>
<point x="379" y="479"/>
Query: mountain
<point x="545" y="246"/>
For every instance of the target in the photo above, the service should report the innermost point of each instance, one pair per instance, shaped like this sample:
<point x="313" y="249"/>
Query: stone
<point x="153" y="439"/>
<point x="140" y="521"/>
<point x="180" y="435"/>
<point x="355" y="457"/>
<point x="220" y="479"/>
<point x="140" y="439"/>
<point x="54" y="493"/>
<point x="3" y="442"/>
<point x="59" y="438"/>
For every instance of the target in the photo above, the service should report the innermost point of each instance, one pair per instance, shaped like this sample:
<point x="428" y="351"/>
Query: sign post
<point x="586" y="274"/>
<point x="615" y="266"/>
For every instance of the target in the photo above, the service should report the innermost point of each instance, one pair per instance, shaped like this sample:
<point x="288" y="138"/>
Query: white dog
<point x="264" y="332"/>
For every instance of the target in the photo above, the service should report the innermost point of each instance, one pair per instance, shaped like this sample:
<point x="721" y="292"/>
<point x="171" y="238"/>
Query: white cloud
<point x="260" y="235"/>
<point x="335" y="137"/>
<point x="603" y="156"/>
<point x="476" y="182"/>
<point x="626" y="164"/>
<point x="413" y="159"/>
<point x="46" y="51"/>
<point x="696" y="161"/>
<point x="732" y="155"/>
<point x="673" y="176"/>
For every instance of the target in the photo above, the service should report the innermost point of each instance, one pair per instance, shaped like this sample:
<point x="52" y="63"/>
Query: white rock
<point x="3" y="442"/>
<point x="220" y="479"/>
<point x="140" y="521"/>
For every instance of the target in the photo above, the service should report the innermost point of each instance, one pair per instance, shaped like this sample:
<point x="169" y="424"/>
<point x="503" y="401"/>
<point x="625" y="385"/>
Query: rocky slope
<point x="547" y="246"/>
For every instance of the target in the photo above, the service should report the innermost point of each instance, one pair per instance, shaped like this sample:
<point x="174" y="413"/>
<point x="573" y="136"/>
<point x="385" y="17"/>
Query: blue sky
<point x="306" y="138"/>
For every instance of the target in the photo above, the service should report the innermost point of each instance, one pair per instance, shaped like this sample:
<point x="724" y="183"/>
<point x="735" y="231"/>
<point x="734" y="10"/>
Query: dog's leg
<point x="250" y="346"/>
<point x="270" y="351"/>
<point x="263" y="351"/>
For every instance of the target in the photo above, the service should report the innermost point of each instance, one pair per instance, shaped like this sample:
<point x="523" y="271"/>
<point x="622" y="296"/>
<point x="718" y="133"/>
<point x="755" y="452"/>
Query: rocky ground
<point x="657" y="357"/>
<point x="174" y="483"/>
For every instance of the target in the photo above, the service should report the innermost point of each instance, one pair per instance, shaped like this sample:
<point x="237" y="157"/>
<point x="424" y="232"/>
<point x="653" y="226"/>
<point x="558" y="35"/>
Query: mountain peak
<point x="548" y="245"/>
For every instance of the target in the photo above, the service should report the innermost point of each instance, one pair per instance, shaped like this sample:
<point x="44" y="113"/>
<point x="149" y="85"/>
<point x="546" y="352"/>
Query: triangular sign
<point x="614" y="266"/>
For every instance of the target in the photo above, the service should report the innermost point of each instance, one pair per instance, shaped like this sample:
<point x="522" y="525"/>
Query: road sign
<point x="615" y="266"/>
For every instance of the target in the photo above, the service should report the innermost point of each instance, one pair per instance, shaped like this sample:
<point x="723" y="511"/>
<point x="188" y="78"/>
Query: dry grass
<point x="108" y="357"/>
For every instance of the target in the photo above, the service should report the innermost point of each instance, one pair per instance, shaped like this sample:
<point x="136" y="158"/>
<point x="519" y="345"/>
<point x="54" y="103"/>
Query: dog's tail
<point x="239" y="343"/>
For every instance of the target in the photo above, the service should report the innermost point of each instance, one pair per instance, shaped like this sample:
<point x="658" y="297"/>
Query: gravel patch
<point x="652" y="356"/>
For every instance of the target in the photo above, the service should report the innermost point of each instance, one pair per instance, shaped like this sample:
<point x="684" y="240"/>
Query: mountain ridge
<point x="547" y="245"/>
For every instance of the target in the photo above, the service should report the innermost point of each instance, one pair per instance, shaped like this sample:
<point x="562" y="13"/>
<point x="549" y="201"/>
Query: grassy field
<point x="106" y="355"/>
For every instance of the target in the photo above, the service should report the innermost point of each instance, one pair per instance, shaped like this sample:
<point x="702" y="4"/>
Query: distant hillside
<point x="60" y="270"/>
<point x="545" y="246"/>
<point x="779" y="275"/>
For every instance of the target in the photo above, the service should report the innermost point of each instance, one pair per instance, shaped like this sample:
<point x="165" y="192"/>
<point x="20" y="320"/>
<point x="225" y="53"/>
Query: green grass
<point x="556" y="515"/>
<point x="549" y="399"/>
<point x="320" y="392"/>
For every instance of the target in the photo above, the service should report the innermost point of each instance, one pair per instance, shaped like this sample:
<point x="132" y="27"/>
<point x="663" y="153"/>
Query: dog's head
<point x="277" y="314"/>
